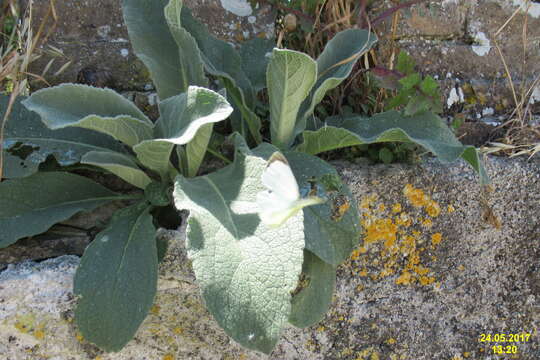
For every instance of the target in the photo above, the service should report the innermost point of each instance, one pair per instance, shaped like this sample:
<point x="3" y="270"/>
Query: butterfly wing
<point x="282" y="199"/>
<point x="279" y="178"/>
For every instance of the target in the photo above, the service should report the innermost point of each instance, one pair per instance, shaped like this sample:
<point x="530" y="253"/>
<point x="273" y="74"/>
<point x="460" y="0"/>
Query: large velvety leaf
<point x="31" y="205"/>
<point x="246" y="270"/>
<point x="335" y="65"/>
<point x="332" y="229"/>
<point x="255" y="55"/>
<point x="28" y="142"/>
<point x="290" y="76"/>
<point x="191" y="64"/>
<point x="223" y="61"/>
<point x="311" y="303"/>
<point x="154" y="44"/>
<point x="120" y="165"/>
<point x="426" y="129"/>
<point x="181" y="118"/>
<point x="117" y="279"/>
<point x="96" y="109"/>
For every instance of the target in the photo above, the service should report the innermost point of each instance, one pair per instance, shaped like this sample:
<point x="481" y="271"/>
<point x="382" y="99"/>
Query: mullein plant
<point x="275" y="214"/>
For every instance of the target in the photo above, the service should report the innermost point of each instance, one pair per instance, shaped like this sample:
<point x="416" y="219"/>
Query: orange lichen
<point x="381" y="229"/>
<point x="397" y="240"/>
<point x="433" y="209"/>
<point x="404" y="279"/>
<point x="436" y="239"/>
<point x="415" y="196"/>
<point x="427" y="223"/>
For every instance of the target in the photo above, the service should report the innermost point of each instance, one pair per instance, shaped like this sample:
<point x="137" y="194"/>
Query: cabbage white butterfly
<point x="282" y="199"/>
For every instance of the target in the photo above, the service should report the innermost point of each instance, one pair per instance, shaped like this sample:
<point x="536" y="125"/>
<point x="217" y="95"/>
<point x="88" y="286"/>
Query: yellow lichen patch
<point x="436" y="239"/>
<point x="79" y="337"/>
<point x="450" y="209"/>
<point x="391" y="341"/>
<point x="427" y="223"/>
<point x="397" y="239"/>
<point x="433" y="209"/>
<point x="98" y="358"/>
<point x="404" y="278"/>
<point x="321" y="328"/>
<point x="168" y="357"/>
<point x="415" y="196"/>
<point x="155" y="310"/>
<point x="178" y="330"/>
<point x="366" y="202"/>
<point x="466" y="354"/>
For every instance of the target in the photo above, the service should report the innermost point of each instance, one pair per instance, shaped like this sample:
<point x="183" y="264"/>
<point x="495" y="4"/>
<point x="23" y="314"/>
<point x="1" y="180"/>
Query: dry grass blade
<point x="18" y="51"/>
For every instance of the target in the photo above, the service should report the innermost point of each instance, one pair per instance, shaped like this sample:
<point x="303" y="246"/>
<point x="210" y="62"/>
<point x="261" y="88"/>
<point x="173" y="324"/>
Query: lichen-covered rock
<point x="440" y="264"/>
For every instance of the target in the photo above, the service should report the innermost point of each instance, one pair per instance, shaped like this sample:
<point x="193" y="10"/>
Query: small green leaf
<point x="425" y="129"/>
<point x="246" y="270"/>
<point x="196" y="149"/>
<point x="311" y="303"/>
<point x="417" y="104"/>
<point x="154" y="44"/>
<point x="33" y="204"/>
<point x="386" y="155"/>
<point x="191" y="64"/>
<point x="334" y="65"/>
<point x="410" y="81"/>
<point x="158" y="194"/>
<point x="91" y="108"/>
<point x="28" y="142"/>
<point x="117" y="279"/>
<point x="290" y="76"/>
<point x="405" y="63"/>
<point x="120" y="165"/>
<point x="430" y="86"/>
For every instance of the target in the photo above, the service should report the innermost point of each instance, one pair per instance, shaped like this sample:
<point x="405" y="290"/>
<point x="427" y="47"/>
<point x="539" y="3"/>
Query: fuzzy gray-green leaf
<point x="425" y="129"/>
<point x="191" y="65"/>
<point x="332" y="229"/>
<point x="31" y="205"/>
<point x="290" y="76"/>
<point x="117" y="279"/>
<point x="28" y="142"/>
<point x="120" y="165"/>
<point x="223" y="61"/>
<point x="91" y="108"/>
<point x="246" y="270"/>
<point x="154" y="44"/>
<point x="335" y="65"/>
<point x="311" y="303"/>
<point x="182" y="116"/>
<point x="255" y="57"/>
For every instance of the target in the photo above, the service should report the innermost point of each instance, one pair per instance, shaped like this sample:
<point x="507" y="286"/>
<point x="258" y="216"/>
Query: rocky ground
<point x="439" y="265"/>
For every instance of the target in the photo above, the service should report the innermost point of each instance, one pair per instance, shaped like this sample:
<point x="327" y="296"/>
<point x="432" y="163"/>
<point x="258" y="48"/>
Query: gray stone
<point x="423" y="299"/>
<point x="455" y="41"/>
<point x="93" y="38"/>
